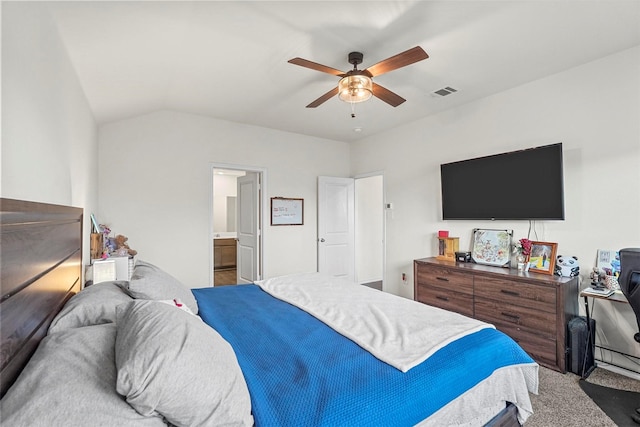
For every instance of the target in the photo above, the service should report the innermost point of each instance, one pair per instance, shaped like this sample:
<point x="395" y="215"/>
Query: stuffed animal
<point x="596" y="275"/>
<point x="122" y="248"/>
<point x="567" y="266"/>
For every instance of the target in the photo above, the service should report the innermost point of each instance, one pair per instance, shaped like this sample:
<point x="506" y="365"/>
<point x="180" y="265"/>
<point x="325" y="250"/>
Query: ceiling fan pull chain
<point x="353" y="110"/>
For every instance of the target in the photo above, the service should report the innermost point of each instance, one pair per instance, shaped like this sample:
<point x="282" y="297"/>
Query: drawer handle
<point x="442" y="298"/>
<point x="515" y="294"/>
<point x="444" y="279"/>
<point x="514" y="317"/>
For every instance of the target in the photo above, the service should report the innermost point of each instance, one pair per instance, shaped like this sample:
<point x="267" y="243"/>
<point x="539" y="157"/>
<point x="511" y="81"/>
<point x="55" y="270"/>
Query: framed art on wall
<point x="543" y="257"/>
<point x="492" y="247"/>
<point x="287" y="211"/>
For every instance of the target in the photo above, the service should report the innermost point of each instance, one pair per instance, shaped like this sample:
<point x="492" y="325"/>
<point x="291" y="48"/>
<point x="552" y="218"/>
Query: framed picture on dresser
<point x="491" y="247"/>
<point x="543" y="257"/>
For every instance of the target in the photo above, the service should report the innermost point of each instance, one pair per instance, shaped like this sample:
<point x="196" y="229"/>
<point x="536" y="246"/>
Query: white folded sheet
<point x="396" y="330"/>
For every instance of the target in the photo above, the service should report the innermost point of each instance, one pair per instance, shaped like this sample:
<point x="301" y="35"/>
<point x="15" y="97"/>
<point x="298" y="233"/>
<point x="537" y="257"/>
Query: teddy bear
<point x="122" y="248"/>
<point x="567" y="266"/>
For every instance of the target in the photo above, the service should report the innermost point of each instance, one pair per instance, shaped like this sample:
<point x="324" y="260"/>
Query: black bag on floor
<point x="579" y="347"/>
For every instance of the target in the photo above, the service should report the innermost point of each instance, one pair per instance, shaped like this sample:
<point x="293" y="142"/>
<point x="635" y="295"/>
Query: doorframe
<point x="384" y="219"/>
<point x="264" y="210"/>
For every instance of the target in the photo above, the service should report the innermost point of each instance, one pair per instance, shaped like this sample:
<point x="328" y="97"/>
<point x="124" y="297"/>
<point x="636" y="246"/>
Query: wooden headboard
<point x="40" y="269"/>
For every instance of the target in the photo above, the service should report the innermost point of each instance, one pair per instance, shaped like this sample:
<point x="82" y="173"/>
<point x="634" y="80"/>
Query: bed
<point x="294" y="350"/>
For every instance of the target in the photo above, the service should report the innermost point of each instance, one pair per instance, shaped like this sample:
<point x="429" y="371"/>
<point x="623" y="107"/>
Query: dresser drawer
<point x="447" y="299"/>
<point x="515" y="293"/>
<point x="542" y="350"/>
<point x="523" y="318"/>
<point x="444" y="278"/>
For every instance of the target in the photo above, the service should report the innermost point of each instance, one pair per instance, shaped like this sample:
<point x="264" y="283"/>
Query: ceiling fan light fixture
<point x="355" y="88"/>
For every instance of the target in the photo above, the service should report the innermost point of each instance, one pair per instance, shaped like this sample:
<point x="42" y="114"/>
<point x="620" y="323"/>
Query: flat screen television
<point x="521" y="185"/>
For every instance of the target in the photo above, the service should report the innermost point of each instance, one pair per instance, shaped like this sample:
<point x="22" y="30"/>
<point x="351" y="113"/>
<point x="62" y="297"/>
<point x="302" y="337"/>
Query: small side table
<point x="615" y="297"/>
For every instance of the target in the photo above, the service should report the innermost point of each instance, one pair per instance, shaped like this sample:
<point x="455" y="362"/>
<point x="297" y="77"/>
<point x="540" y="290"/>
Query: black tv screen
<point x="525" y="184"/>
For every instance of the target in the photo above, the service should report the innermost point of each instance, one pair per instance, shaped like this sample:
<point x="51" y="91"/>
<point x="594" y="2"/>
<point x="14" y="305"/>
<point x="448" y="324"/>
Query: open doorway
<point x="369" y="230"/>
<point x="235" y="224"/>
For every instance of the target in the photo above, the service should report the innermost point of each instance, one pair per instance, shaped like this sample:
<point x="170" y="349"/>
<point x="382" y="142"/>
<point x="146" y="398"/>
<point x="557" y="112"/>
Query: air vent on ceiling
<point x="445" y="91"/>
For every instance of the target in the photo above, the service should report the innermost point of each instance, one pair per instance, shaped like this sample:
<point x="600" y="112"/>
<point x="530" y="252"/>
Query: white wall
<point x="155" y="187"/>
<point x="49" y="136"/>
<point x="593" y="110"/>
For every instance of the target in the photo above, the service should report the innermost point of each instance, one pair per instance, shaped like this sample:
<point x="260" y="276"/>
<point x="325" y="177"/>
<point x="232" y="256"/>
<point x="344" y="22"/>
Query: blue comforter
<point x="302" y="373"/>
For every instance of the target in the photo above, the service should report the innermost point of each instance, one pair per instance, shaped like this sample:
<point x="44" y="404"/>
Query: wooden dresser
<point x="531" y="308"/>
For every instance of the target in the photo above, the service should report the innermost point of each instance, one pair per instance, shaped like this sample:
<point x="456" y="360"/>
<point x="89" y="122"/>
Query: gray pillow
<point x="171" y="362"/>
<point x="70" y="381"/>
<point x="150" y="282"/>
<point x="94" y="305"/>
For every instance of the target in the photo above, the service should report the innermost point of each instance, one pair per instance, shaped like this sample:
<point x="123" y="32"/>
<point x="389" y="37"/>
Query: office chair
<point x="629" y="281"/>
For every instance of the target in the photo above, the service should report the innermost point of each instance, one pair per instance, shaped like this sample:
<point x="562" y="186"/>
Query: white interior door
<point x="248" y="226"/>
<point x="336" y="231"/>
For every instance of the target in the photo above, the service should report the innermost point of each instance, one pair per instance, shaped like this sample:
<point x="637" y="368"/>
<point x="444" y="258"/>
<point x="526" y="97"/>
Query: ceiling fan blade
<point x="400" y="60"/>
<point x="333" y="92"/>
<point x="315" y="66"/>
<point x="387" y="96"/>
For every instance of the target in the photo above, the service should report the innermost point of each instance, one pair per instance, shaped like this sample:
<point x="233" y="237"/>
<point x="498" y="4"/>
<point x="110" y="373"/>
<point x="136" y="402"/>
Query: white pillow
<point x="172" y="363"/>
<point x="150" y="282"/>
<point x="94" y="305"/>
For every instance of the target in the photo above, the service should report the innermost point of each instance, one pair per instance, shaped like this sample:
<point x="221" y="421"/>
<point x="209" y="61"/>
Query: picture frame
<point x="287" y="211"/>
<point x="492" y="247"/>
<point x="609" y="262"/>
<point x="543" y="257"/>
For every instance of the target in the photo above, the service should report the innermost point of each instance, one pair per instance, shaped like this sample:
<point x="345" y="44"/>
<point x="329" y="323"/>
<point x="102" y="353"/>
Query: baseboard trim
<point x="618" y="370"/>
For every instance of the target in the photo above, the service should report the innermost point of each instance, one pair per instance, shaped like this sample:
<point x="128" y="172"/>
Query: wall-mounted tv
<point x="524" y="184"/>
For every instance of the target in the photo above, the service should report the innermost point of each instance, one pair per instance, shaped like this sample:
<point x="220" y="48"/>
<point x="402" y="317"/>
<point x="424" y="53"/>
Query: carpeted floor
<point x="561" y="401"/>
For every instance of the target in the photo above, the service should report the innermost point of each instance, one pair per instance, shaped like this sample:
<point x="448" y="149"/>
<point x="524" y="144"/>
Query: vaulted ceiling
<point x="229" y="59"/>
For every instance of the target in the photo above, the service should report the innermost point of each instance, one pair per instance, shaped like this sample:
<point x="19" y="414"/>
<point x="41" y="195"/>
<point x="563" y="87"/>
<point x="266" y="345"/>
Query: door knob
<point x="321" y="240"/>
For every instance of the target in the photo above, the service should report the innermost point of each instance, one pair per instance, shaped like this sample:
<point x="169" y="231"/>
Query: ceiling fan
<point x="356" y="85"/>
